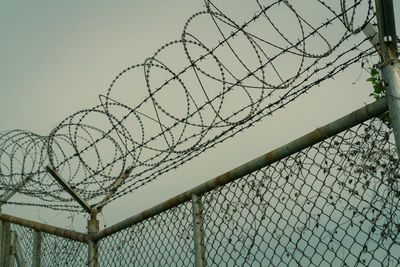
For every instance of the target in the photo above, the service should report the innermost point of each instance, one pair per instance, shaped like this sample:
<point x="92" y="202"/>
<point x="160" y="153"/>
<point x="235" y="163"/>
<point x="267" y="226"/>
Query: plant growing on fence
<point x="378" y="85"/>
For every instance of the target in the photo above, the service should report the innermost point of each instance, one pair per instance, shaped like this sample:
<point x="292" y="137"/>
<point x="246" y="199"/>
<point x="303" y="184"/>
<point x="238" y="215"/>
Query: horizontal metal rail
<point x="81" y="237"/>
<point x="320" y="134"/>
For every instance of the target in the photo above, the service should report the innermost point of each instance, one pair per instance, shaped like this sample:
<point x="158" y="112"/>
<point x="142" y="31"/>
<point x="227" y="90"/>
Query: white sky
<point x="56" y="58"/>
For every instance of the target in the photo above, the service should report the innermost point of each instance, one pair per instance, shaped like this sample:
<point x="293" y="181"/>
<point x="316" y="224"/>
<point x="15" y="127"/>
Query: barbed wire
<point x="220" y="78"/>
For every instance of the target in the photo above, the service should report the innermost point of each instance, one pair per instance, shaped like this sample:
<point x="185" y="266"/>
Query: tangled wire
<point x="218" y="79"/>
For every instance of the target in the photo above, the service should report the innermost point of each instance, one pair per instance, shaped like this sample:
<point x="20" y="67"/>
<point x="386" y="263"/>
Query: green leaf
<point x="380" y="88"/>
<point x="374" y="72"/>
<point x="385" y="117"/>
<point x="372" y="79"/>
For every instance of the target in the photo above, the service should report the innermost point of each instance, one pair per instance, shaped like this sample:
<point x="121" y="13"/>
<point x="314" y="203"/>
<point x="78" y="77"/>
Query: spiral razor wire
<point x="221" y="77"/>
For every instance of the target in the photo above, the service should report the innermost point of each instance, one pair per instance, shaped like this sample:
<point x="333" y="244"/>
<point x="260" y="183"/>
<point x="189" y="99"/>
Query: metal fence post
<point x="391" y="75"/>
<point x="15" y="252"/>
<point x="18" y="252"/>
<point x="5" y="243"/>
<point x="11" y="250"/>
<point x="390" y="62"/>
<point x="198" y="233"/>
<point x="93" y="228"/>
<point x="2" y="235"/>
<point x="37" y="241"/>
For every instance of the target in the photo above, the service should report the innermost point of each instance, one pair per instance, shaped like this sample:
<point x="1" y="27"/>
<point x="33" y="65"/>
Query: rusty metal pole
<point x="5" y="242"/>
<point x="16" y="253"/>
<point x="10" y="253"/>
<point x="80" y="237"/>
<point x="2" y="236"/>
<point x="390" y="62"/>
<point x="391" y="75"/>
<point x="93" y="228"/>
<point x="198" y="232"/>
<point x="37" y="241"/>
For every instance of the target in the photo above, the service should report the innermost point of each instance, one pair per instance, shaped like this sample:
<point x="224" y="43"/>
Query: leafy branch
<point x="377" y="84"/>
<point x="379" y="90"/>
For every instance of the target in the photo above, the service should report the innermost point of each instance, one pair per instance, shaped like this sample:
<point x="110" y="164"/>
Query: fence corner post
<point x="391" y="75"/>
<point x="12" y="251"/>
<point x="390" y="64"/>
<point x="37" y="241"/>
<point x="93" y="227"/>
<point x="5" y="239"/>
<point x="198" y="232"/>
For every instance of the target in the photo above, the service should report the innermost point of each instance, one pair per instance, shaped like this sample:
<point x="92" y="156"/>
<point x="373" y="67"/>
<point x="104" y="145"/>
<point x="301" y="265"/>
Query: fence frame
<point x="390" y="66"/>
<point x="37" y="240"/>
<point x="41" y="227"/>
<point x="93" y="236"/>
<point x="320" y="134"/>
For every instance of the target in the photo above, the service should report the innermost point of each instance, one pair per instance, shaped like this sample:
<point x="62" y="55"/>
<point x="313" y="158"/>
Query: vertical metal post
<point x="391" y="75"/>
<point x="2" y="235"/>
<point x="93" y="228"/>
<point x="18" y="253"/>
<point x="37" y="242"/>
<point x="390" y="62"/>
<point x="198" y="232"/>
<point x="15" y="251"/>
<point x="11" y="250"/>
<point x="5" y="243"/>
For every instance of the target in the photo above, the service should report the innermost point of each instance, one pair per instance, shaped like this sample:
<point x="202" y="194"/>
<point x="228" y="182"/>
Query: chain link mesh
<point x="334" y="203"/>
<point x="58" y="251"/>
<point x="55" y="250"/>
<point x="163" y="240"/>
<point x="24" y="244"/>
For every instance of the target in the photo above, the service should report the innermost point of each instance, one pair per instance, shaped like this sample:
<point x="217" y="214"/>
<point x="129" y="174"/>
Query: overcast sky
<point x="57" y="57"/>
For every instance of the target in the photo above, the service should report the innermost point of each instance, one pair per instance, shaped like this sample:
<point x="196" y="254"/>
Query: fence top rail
<point x="41" y="227"/>
<point x="320" y="134"/>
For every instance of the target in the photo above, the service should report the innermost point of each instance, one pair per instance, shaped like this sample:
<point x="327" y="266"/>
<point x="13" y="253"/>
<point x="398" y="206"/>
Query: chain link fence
<point x="163" y="240"/>
<point x="333" y="203"/>
<point x="22" y="247"/>
<point x="58" y="251"/>
<point x="329" y="198"/>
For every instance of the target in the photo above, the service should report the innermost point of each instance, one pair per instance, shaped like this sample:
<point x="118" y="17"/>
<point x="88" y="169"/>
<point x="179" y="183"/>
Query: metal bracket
<point x="6" y="196"/>
<point x="68" y="188"/>
<point x="371" y="32"/>
<point x="116" y="185"/>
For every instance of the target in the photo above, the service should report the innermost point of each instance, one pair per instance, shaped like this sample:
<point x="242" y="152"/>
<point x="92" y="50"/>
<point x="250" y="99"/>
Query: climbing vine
<point x="379" y="89"/>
